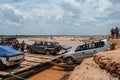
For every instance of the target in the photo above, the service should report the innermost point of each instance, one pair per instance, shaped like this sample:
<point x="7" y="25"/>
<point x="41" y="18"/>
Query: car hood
<point x="8" y="51"/>
<point x="66" y="47"/>
<point x="68" y="53"/>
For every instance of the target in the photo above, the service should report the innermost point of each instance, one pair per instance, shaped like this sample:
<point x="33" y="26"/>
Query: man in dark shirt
<point x="22" y="46"/>
<point x="117" y="32"/>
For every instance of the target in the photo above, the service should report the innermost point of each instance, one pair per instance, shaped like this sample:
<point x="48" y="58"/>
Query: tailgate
<point x="16" y="57"/>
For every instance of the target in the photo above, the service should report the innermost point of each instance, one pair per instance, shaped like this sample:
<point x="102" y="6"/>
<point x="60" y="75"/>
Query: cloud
<point x="10" y="15"/>
<point x="59" y="16"/>
<point x="9" y="1"/>
<point x="87" y="10"/>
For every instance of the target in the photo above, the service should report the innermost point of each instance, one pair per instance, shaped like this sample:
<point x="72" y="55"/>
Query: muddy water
<point x="53" y="73"/>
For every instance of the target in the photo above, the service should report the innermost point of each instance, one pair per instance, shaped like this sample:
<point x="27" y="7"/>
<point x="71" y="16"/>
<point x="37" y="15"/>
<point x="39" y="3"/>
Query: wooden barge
<point x="32" y="64"/>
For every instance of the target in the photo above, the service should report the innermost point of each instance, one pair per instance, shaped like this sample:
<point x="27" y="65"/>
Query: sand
<point x="90" y="70"/>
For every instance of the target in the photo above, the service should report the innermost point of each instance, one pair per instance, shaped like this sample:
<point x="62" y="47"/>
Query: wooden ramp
<point x="32" y="64"/>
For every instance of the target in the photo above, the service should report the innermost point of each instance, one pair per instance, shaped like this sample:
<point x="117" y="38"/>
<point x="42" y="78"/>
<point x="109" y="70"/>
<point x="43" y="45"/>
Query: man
<point x="22" y="46"/>
<point x="117" y="32"/>
<point x="112" y="33"/>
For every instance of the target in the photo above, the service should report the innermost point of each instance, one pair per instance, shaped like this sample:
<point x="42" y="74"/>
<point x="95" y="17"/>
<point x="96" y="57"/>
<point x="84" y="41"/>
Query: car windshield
<point x="48" y="43"/>
<point x="56" y="43"/>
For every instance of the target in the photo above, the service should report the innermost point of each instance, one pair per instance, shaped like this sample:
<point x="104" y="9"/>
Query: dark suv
<point x="10" y="42"/>
<point x="47" y="47"/>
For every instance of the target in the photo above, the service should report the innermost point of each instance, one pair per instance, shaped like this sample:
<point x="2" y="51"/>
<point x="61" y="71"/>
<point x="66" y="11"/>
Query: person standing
<point x="22" y="46"/>
<point x="117" y="32"/>
<point x="112" y="33"/>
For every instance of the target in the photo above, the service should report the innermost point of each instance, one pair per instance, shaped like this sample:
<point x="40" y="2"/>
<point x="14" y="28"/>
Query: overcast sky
<point x="58" y="17"/>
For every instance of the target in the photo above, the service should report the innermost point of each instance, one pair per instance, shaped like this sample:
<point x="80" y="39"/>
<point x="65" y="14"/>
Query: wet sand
<point x="54" y="73"/>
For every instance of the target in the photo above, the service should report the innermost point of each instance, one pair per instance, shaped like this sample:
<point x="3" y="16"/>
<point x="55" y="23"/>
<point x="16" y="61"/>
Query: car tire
<point x="1" y="65"/>
<point x="18" y="65"/>
<point x="47" y="52"/>
<point x="69" y="60"/>
<point x="29" y="50"/>
<point x="54" y="54"/>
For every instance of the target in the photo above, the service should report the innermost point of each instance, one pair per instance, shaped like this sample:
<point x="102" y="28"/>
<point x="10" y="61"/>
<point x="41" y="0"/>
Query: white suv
<point x="87" y="49"/>
<point x="10" y="56"/>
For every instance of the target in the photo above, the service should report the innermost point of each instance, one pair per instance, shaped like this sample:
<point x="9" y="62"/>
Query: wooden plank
<point x="3" y="73"/>
<point x="30" y="62"/>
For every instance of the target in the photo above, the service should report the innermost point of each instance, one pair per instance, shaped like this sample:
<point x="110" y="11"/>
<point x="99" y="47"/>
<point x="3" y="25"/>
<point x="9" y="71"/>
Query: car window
<point x="91" y="45"/>
<point x="97" y="44"/>
<point x="56" y="43"/>
<point x="36" y="44"/>
<point x="48" y="44"/>
<point x="79" y="48"/>
<point x="5" y="42"/>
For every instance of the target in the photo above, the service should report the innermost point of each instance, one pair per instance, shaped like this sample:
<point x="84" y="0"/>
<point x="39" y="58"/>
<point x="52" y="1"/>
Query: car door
<point x="79" y="53"/>
<point x="91" y="50"/>
<point x="84" y="52"/>
<point x="35" y="48"/>
<point x="42" y="48"/>
<point x="89" y="53"/>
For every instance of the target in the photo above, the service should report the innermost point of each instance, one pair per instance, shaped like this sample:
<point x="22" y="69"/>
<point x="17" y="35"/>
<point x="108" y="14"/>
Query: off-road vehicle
<point x="85" y="50"/>
<point x="10" y="56"/>
<point x="10" y="42"/>
<point x="46" y="47"/>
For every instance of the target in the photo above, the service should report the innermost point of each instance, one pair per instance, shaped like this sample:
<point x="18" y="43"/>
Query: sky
<point x="58" y="17"/>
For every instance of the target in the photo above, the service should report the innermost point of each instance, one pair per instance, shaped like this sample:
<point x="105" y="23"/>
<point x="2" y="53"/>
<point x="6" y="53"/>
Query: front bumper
<point x="14" y="62"/>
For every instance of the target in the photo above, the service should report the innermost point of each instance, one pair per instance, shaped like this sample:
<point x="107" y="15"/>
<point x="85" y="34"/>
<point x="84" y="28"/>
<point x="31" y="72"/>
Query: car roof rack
<point x="95" y="40"/>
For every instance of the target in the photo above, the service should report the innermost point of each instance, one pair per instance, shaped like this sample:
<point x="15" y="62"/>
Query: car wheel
<point x="1" y="65"/>
<point x="18" y="65"/>
<point x="29" y="50"/>
<point x="70" y="60"/>
<point x="47" y="52"/>
<point x="54" y="54"/>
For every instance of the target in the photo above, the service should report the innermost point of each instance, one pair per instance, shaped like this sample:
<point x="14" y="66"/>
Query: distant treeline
<point x="52" y="36"/>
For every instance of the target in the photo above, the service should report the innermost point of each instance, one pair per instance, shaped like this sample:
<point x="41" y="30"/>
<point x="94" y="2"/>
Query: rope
<point x="16" y="76"/>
